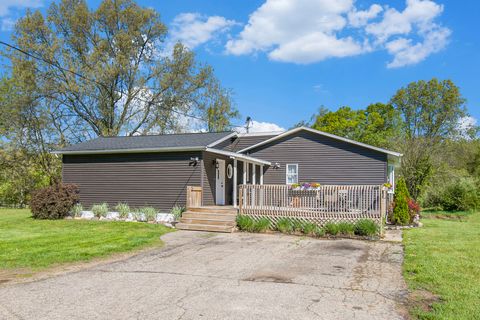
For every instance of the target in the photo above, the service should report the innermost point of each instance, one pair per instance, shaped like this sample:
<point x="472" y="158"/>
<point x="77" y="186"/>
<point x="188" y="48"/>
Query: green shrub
<point x="123" y="210"/>
<point x="366" y="227"/>
<point x="150" y="213"/>
<point x="285" y="225"/>
<point x="261" y="225"/>
<point x="100" y="210"/>
<point x="297" y="225"/>
<point x="331" y="228"/>
<point x="54" y="202"/>
<point x="400" y="213"/>
<point x="319" y="232"/>
<point x="77" y="210"/>
<point x="177" y="212"/>
<point x="346" y="228"/>
<point x="460" y="195"/>
<point x="245" y="223"/>
<point x="309" y="228"/>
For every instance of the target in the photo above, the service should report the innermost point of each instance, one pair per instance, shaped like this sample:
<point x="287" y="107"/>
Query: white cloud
<point x="6" y="6"/>
<point x="361" y="18"/>
<point x="405" y="52"/>
<point x="8" y="9"/>
<point x="308" y="31"/>
<point x="194" y="29"/>
<point x="257" y="126"/>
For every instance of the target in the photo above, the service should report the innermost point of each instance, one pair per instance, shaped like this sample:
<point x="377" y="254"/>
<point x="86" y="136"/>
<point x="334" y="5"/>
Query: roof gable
<point x="295" y="130"/>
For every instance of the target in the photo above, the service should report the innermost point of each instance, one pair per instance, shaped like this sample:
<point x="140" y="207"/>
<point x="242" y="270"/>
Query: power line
<point x="97" y="82"/>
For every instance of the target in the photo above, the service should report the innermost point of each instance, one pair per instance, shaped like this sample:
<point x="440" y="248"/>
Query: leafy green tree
<point x="430" y="111"/>
<point x="378" y="124"/>
<point x="107" y="70"/>
<point x="400" y="213"/>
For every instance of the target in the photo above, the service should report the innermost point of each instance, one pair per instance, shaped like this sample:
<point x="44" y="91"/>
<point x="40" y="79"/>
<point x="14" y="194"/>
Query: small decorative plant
<point x="100" y="210"/>
<point x="387" y="185"/>
<point x="177" y="212"/>
<point x="77" y="210"/>
<point x="346" y="228"/>
<point x="261" y="225"/>
<point x="285" y="225"/>
<point x="308" y="228"/>
<point x="150" y="213"/>
<point x="366" y="227"/>
<point x="315" y="185"/>
<point x="295" y="186"/>
<point x="331" y="228"/>
<point x="123" y="210"/>
<point x="245" y="223"/>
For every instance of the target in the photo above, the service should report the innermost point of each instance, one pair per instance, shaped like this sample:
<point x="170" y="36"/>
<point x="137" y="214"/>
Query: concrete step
<point x="222" y="210"/>
<point x="205" y="215"/>
<point x="208" y="221"/>
<point x="204" y="227"/>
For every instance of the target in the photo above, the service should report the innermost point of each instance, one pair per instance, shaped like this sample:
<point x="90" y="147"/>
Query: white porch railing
<point x="327" y="203"/>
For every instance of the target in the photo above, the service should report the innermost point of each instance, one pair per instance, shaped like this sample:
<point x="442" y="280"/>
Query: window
<point x="292" y="173"/>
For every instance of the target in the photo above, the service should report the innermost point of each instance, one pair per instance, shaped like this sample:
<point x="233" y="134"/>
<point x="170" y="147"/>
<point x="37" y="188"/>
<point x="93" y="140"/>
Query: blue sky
<point x="284" y="59"/>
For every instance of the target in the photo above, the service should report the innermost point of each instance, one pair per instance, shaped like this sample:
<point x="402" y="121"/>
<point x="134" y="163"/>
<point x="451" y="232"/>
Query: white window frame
<point x="286" y="172"/>
<point x="391" y="177"/>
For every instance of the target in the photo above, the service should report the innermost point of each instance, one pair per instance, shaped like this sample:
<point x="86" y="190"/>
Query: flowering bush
<point x="413" y="208"/>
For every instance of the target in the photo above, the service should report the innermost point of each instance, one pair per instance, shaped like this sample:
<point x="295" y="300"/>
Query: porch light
<point x="193" y="162"/>
<point x="215" y="163"/>
<point x="276" y="165"/>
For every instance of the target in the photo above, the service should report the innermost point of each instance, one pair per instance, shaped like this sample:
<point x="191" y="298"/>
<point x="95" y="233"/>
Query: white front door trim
<point x="220" y="182"/>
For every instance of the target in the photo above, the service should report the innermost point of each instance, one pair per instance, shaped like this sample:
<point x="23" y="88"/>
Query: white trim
<point x="139" y="150"/>
<point x="254" y="174"/>
<point x="245" y="172"/>
<point x="289" y="132"/>
<point x="239" y="156"/>
<point x="214" y="143"/>
<point x="234" y="195"/>
<point x="286" y="172"/>
<point x="261" y="174"/>
<point x="220" y="181"/>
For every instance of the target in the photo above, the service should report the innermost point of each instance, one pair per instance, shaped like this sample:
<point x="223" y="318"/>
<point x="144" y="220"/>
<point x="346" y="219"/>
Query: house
<point x="156" y="170"/>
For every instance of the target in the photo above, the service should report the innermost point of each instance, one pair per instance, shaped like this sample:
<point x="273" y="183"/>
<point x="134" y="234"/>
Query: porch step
<point x="209" y="221"/>
<point x="216" y="219"/>
<point x="204" y="215"/>
<point x="220" y="210"/>
<point x="204" y="227"/>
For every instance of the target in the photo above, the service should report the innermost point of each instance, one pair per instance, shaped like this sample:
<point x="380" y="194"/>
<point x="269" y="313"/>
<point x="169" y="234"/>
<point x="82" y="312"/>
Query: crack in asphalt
<point x="243" y="280"/>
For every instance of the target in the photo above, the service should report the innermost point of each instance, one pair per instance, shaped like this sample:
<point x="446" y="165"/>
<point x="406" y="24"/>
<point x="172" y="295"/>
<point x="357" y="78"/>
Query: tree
<point x="106" y="71"/>
<point x="378" y="124"/>
<point x="400" y="213"/>
<point x="430" y="112"/>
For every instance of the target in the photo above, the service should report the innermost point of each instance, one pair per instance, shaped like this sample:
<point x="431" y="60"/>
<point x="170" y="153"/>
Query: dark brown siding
<point x="243" y="142"/>
<point x="322" y="159"/>
<point x="143" y="179"/>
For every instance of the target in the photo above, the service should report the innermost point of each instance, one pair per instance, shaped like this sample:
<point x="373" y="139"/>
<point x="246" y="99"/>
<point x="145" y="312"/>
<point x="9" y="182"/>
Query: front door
<point x="220" y="182"/>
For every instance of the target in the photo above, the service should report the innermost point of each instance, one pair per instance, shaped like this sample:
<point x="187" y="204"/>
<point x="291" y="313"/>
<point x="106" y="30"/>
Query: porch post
<point x="254" y="174"/>
<point x="244" y="172"/>
<point x="234" y="183"/>
<point x="261" y="174"/>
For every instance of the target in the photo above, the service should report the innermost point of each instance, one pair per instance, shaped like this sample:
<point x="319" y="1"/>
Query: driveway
<point x="225" y="276"/>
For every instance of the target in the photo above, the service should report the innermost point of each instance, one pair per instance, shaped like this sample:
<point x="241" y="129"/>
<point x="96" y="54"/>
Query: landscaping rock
<point x="113" y="215"/>
<point x="87" y="215"/>
<point x="68" y="218"/>
<point x="165" y="218"/>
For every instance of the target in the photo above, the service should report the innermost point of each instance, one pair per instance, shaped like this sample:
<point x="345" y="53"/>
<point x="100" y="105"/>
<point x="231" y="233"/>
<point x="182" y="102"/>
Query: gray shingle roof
<point x="152" y="142"/>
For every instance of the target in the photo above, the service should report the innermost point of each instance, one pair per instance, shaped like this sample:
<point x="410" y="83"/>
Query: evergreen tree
<point x="400" y="211"/>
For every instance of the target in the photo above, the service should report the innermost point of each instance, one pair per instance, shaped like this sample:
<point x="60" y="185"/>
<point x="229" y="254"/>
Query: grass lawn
<point x="31" y="244"/>
<point x="443" y="258"/>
